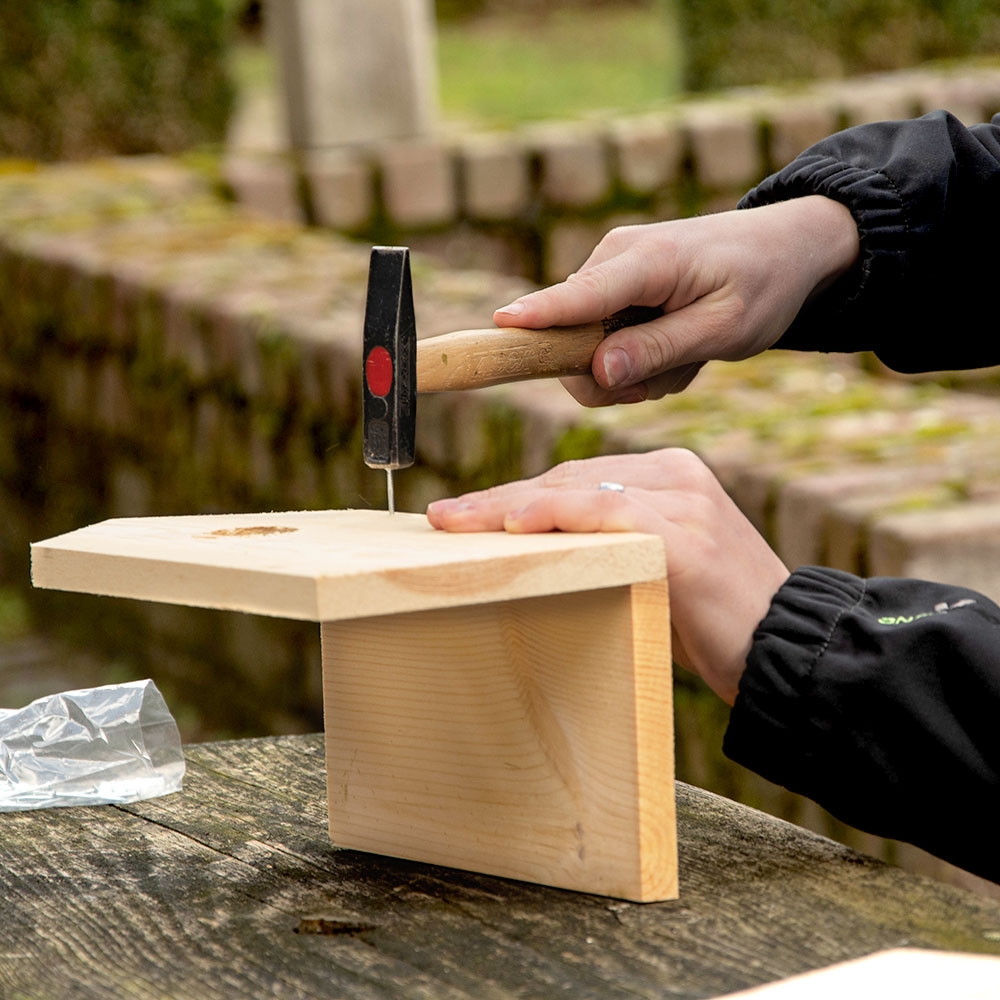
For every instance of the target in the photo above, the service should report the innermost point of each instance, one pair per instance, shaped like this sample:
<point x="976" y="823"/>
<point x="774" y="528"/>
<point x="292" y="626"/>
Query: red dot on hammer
<point x="378" y="371"/>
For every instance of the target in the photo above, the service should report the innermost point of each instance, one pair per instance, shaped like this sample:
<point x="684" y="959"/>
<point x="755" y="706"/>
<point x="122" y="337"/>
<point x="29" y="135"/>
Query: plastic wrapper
<point x="110" y="744"/>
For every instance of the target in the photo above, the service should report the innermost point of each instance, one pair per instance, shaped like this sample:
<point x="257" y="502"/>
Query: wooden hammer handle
<point x="471" y="359"/>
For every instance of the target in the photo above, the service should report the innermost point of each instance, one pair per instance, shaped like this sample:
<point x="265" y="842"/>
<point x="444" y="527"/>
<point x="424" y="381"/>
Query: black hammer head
<point x="390" y="361"/>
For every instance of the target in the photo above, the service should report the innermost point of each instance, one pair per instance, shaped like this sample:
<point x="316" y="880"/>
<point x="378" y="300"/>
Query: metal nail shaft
<point x="389" y="491"/>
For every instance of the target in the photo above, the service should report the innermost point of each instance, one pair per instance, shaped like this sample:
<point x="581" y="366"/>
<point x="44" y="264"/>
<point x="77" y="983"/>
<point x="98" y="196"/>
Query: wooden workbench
<point x="232" y="888"/>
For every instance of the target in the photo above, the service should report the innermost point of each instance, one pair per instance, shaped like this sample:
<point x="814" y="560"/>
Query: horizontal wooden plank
<point x="232" y="888"/>
<point x="332" y="565"/>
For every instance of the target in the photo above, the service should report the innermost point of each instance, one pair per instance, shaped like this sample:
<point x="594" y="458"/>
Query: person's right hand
<point x="729" y="284"/>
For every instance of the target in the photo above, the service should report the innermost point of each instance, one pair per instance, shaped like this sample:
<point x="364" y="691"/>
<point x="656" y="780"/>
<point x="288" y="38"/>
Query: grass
<point x="502" y="70"/>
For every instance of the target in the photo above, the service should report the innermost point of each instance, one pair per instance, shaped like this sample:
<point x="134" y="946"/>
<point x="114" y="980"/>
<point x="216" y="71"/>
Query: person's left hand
<point x="722" y="574"/>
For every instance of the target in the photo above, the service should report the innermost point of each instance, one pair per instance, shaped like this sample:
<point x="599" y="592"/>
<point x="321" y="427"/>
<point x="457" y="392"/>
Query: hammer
<point x="396" y="366"/>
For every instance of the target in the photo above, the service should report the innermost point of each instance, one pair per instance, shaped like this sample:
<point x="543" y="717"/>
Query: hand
<point x="729" y="284"/>
<point x="721" y="573"/>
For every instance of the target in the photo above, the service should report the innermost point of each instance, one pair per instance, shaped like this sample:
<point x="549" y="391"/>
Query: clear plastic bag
<point x="117" y="743"/>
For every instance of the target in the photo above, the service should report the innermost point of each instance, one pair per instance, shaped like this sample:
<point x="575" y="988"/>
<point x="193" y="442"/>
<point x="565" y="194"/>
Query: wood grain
<point x="531" y="739"/>
<point x="494" y="702"/>
<point x="208" y="895"/>
<point x="332" y="565"/>
<point x="473" y="359"/>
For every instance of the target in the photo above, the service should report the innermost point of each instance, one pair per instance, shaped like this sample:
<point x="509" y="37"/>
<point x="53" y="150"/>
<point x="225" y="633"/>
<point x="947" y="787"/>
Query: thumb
<point x="634" y="354"/>
<point x="711" y="327"/>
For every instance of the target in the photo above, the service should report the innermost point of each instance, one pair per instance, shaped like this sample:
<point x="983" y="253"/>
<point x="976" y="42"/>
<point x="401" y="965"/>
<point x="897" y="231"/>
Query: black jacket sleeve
<point x="926" y="197"/>
<point x="878" y="699"/>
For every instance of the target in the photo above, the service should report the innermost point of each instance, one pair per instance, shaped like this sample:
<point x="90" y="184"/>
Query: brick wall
<point x="535" y="201"/>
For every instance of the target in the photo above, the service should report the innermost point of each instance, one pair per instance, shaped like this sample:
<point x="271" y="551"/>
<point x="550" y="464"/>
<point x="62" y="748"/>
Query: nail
<point x="617" y="367"/>
<point x="514" y="309"/>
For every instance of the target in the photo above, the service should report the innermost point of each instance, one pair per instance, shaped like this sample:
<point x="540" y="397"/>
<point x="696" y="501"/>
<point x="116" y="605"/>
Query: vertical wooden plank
<point x="508" y="738"/>
<point x="654" y="695"/>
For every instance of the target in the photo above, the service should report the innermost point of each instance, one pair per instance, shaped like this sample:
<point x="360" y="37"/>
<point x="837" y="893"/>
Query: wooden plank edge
<point x="153" y="580"/>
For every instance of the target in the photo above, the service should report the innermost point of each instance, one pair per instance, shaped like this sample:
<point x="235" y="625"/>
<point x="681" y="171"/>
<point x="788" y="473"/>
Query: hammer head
<point x="389" y="394"/>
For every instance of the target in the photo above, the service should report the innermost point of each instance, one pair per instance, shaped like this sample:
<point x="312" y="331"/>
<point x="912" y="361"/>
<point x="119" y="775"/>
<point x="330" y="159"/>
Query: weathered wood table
<point x="232" y="888"/>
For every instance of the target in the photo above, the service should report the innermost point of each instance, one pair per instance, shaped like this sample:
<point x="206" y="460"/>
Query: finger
<point x="665" y="478"/>
<point x="587" y="510"/>
<point x="664" y="469"/>
<point x="585" y="390"/>
<point x="481" y="511"/>
<point x="636" y="353"/>
<point x="673" y="381"/>
<point x="490" y="510"/>
<point x="590" y="294"/>
<point x="705" y="329"/>
<point x="485" y="510"/>
<point x="460" y="515"/>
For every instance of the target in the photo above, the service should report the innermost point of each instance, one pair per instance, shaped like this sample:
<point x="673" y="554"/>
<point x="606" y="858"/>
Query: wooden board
<point x="231" y="890"/>
<point x="495" y="702"/>
<point x="531" y="739"/>
<point x="902" y="972"/>
<point x="332" y="565"/>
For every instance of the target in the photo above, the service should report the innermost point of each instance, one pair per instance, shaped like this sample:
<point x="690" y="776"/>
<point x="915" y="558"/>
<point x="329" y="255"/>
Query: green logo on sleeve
<point x="939" y="609"/>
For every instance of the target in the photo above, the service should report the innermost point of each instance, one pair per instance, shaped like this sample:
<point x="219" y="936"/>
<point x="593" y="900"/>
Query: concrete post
<point x="355" y="71"/>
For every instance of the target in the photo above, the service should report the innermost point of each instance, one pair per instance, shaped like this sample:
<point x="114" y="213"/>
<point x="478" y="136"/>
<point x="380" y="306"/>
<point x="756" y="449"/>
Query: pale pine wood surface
<point x="494" y="702"/>
<point x="332" y="565"/>
<point x="531" y="739"/>
<point x="903" y="972"/>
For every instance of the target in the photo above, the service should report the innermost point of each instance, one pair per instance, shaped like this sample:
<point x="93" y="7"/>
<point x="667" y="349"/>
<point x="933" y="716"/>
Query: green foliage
<point x="504" y="452"/>
<point x="80" y="78"/>
<point x="454" y="10"/>
<point x="578" y="442"/>
<point x="738" y="42"/>
<point x="499" y="70"/>
<point x="457" y="10"/>
<point x="14" y="621"/>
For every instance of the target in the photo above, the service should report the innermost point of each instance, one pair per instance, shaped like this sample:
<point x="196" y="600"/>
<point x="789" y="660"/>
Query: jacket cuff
<point x="774" y="709"/>
<point x="879" y="212"/>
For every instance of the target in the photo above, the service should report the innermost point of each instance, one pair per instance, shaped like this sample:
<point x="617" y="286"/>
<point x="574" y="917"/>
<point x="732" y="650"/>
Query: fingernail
<point x="512" y="517"/>
<point x="617" y="367"/>
<point x="448" y="506"/>
<point x="514" y="309"/>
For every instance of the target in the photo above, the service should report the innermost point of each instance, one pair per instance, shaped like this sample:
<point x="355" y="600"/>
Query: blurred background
<point x="108" y="76"/>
